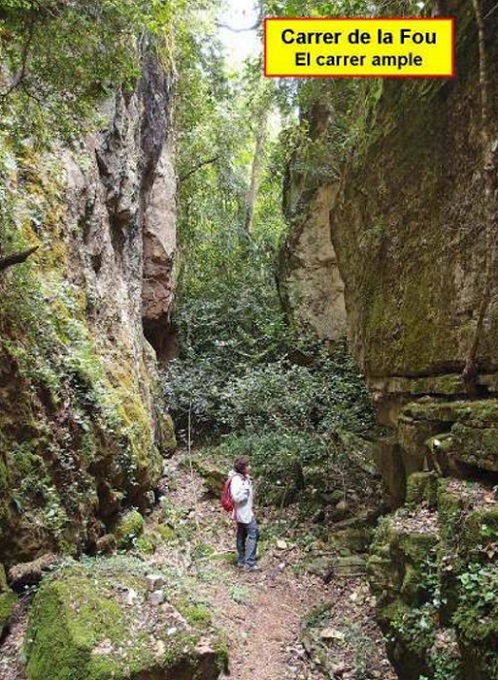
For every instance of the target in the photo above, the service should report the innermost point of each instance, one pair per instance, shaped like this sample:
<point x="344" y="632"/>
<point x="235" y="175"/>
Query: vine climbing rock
<point x="433" y="571"/>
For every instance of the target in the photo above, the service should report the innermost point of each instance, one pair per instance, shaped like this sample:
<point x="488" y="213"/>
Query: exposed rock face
<point x="310" y="281"/>
<point x="127" y="199"/>
<point x="408" y="227"/>
<point x="8" y="600"/>
<point x="82" y="426"/>
<point x="159" y="248"/>
<point x="433" y="569"/>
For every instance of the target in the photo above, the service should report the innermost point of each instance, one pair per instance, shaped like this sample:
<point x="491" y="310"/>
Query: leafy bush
<point x="244" y="375"/>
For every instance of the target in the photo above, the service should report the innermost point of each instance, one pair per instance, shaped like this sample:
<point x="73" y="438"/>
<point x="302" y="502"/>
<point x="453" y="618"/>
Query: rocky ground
<point x="283" y="622"/>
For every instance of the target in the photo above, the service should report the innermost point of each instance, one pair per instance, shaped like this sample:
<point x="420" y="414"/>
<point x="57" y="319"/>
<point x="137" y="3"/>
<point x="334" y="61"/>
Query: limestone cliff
<point x="310" y="282"/>
<point x="402" y="235"/>
<point x="82" y="425"/>
<point x="412" y="224"/>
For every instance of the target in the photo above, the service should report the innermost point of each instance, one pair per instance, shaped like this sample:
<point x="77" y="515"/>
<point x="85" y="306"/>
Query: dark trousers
<point x="247" y="542"/>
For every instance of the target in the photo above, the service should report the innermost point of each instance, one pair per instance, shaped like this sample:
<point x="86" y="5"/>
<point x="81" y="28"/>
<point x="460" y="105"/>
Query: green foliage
<point x="477" y="614"/>
<point x="342" y="8"/>
<point x="351" y="635"/>
<point x="242" y="370"/>
<point x="417" y="626"/>
<point x="325" y="397"/>
<point x="240" y="594"/>
<point x="63" y="59"/>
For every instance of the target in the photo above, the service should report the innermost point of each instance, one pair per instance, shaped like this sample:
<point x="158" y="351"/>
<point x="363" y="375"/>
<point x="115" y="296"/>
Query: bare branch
<point x="200" y="165"/>
<point x="24" y="58"/>
<point x="16" y="258"/>
<point x="491" y="11"/>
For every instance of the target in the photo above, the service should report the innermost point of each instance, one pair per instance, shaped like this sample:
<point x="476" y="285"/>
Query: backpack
<point x="226" y="496"/>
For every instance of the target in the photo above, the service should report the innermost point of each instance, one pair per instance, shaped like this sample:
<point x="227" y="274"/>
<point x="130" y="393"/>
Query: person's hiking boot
<point x="251" y="567"/>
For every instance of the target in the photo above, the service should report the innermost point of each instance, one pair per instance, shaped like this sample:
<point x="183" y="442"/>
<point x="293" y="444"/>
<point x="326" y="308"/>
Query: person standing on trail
<point x="247" y="527"/>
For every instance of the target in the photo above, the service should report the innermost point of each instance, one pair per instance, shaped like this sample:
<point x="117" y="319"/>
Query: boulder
<point x="31" y="573"/>
<point x="97" y="623"/>
<point x="129" y="527"/>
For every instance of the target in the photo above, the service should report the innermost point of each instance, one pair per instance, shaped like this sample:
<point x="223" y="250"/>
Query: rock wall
<point x="402" y="236"/>
<point x="409" y="229"/>
<point x="433" y="571"/>
<point x="310" y="283"/>
<point x="409" y="223"/>
<point x="82" y="423"/>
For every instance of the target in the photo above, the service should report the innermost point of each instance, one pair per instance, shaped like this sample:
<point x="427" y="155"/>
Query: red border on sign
<point x="322" y="75"/>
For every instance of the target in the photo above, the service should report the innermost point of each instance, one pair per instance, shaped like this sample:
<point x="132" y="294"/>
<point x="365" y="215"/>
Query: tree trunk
<point x="257" y="166"/>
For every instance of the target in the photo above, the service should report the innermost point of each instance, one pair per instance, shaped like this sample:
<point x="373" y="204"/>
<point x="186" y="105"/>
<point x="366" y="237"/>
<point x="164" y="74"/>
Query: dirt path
<point x="264" y="613"/>
<point x="282" y="622"/>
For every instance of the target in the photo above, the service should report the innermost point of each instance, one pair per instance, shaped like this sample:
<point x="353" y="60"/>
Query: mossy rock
<point x="467" y="432"/>
<point x="146" y="545"/>
<point x="354" y="540"/>
<point x="106" y="544"/>
<point x="388" y="459"/>
<point x="476" y="621"/>
<point x="477" y="525"/>
<point x="450" y="506"/>
<point x="214" y="479"/>
<point x="422" y="488"/>
<point x="8" y="601"/>
<point x="167" y="437"/>
<point x="98" y="623"/>
<point x="475" y="445"/>
<point x="3" y="579"/>
<point x="129" y="527"/>
<point x="166" y="533"/>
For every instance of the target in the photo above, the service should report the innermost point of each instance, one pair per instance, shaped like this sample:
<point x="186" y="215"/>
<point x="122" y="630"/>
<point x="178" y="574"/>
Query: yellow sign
<point x="365" y="48"/>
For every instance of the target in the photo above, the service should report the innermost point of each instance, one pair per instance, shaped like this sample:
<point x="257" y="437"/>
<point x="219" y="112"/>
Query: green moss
<point x="422" y="487"/>
<point x="477" y="446"/>
<point x="8" y="601"/>
<point x="197" y="614"/>
<point x="129" y="527"/>
<point x="82" y="626"/>
<point x="214" y="478"/>
<point x="60" y="639"/>
<point x="416" y="546"/>
<point x="3" y="579"/>
<point x="67" y="416"/>
<point x="221" y="651"/>
<point x="167" y="435"/>
<point x="147" y="544"/>
<point x="166" y="533"/>
<point x="472" y="535"/>
<point x="450" y="508"/>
